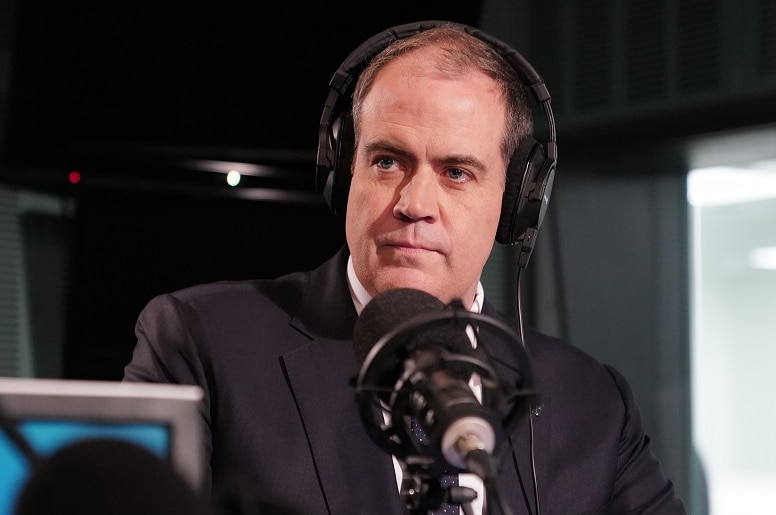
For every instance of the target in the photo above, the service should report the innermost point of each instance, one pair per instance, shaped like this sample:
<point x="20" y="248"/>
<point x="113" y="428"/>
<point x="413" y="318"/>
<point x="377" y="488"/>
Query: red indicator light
<point x="74" y="177"/>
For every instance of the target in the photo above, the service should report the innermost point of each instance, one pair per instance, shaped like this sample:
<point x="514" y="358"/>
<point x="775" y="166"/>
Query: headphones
<point x="531" y="169"/>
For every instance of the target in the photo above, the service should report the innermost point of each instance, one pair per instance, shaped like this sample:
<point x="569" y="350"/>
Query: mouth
<point x="407" y="245"/>
<point x="408" y="250"/>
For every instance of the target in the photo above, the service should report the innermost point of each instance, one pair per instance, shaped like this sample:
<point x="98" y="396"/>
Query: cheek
<point x="354" y="206"/>
<point x="362" y="210"/>
<point x="479" y="229"/>
<point x="368" y="198"/>
<point x="488" y="214"/>
<point x="359" y="198"/>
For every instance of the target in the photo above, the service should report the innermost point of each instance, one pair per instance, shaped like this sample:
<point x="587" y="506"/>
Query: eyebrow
<point x="466" y="160"/>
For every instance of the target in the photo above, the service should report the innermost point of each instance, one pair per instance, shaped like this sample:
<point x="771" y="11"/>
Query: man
<point x="437" y="117"/>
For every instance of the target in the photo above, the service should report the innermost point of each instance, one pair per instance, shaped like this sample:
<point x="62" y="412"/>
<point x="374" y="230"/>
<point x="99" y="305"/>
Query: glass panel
<point x="734" y="334"/>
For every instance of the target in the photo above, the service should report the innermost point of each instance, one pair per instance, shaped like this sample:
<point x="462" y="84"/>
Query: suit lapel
<point x="353" y="471"/>
<point x="529" y="433"/>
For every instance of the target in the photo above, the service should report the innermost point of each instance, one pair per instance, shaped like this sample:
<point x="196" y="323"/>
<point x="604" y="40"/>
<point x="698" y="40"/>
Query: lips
<point x="411" y="243"/>
<point x="407" y="254"/>
<point x="406" y="245"/>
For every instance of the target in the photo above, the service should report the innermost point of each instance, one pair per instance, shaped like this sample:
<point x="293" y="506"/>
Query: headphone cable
<point x="519" y="305"/>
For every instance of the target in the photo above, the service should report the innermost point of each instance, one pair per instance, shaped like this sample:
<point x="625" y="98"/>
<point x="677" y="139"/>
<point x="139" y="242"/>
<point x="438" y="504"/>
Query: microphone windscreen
<point x="392" y="308"/>
<point x="107" y="476"/>
<point x="385" y="312"/>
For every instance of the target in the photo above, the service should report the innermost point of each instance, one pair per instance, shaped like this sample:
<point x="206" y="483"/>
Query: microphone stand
<point x="422" y="491"/>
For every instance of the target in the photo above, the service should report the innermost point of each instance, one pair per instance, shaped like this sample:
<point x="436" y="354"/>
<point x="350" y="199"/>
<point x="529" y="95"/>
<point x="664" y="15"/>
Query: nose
<point x="417" y="198"/>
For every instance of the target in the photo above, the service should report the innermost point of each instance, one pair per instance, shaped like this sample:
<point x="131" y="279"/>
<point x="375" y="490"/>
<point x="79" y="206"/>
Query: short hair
<point x="461" y="52"/>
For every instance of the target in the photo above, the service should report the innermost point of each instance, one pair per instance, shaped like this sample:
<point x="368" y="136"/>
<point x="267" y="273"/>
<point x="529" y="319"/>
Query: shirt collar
<point x="361" y="297"/>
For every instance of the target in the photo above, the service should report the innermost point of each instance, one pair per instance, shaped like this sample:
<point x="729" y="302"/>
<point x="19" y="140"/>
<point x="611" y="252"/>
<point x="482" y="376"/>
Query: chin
<point x="393" y="281"/>
<point x="414" y="282"/>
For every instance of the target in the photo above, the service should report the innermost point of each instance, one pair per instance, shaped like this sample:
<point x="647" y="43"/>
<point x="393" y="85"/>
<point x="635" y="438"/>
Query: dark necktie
<point x="446" y="481"/>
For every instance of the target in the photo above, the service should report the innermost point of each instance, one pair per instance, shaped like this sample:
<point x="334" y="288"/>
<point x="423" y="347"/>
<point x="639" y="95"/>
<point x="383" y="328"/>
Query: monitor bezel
<point x="174" y="405"/>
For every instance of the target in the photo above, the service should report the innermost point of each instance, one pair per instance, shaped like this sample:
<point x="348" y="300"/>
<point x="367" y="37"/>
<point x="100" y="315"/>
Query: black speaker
<point x="531" y="170"/>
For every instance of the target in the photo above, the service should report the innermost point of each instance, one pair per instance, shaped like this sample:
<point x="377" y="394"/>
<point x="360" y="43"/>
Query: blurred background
<point x="120" y="123"/>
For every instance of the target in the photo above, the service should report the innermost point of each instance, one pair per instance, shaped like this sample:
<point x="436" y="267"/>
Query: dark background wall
<point x="148" y="101"/>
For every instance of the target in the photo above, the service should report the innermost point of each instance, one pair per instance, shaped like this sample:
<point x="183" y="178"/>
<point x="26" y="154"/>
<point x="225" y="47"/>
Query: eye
<point x="457" y="174"/>
<point x="386" y="163"/>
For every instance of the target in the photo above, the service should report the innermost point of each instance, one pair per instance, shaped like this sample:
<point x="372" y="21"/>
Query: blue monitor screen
<point x="48" y="436"/>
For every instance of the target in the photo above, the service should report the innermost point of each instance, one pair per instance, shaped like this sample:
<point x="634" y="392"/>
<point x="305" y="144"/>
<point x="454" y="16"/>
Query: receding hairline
<point x="459" y="52"/>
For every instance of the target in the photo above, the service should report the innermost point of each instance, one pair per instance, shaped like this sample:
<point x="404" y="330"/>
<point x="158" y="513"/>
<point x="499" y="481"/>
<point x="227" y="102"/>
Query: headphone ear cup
<point x="523" y="210"/>
<point x="335" y="191"/>
<point x="522" y="170"/>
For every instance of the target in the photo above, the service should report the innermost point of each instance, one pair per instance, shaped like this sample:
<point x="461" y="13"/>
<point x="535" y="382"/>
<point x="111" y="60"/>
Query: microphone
<point x="384" y="313"/>
<point x="414" y="355"/>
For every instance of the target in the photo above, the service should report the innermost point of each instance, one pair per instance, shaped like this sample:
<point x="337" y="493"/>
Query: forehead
<point x="433" y="61"/>
<point x="432" y="112"/>
<point x="432" y="72"/>
<point x="424" y="77"/>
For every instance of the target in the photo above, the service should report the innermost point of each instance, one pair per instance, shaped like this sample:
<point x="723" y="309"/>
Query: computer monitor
<point x="51" y="414"/>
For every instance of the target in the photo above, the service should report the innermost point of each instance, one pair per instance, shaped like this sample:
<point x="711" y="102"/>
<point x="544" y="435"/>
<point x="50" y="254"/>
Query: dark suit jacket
<point x="275" y="359"/>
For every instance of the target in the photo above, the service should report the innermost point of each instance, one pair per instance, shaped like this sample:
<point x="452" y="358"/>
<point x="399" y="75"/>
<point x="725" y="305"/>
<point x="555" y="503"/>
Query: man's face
<point x="428" y="177"/>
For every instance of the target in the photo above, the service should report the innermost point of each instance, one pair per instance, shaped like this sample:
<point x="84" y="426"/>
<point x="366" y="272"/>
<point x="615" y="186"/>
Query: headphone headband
<point x="531" y="170"/>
